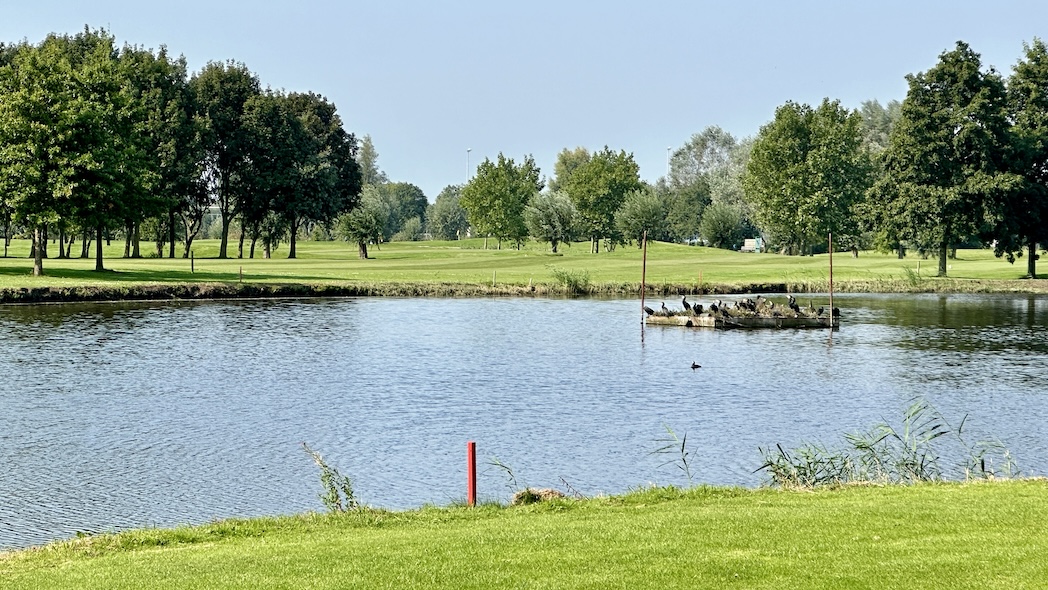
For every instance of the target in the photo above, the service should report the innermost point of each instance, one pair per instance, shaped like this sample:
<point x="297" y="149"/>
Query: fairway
<point x="671" y="267"/>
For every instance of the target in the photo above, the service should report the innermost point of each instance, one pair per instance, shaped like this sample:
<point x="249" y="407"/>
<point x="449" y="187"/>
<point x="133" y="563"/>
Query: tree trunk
<point x="294" y="230"/>
<point x="43" y="243"/>
<point x="61" y="240"/>
<point x="136" y="242"/>
<point x="943" y="251"/>
<point x="38" y="258"/>
<point x="554" y="243"/>
<point x="85" y="246"/>
<point x="223" y="245"/>
<point x="240" y="246"/>
<point x="1031" y="260"/>
<point x="902" y="251"/>
<point x="98" y="250"/>
<point x="171" y="228"/>
<point x="267" y="250"/>
<point x="362" y="249"/>
<point x="127" y="241"/>
<point x="253" y="240"/>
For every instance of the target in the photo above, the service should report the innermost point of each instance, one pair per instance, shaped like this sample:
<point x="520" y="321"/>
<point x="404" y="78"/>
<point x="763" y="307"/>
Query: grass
<point x="439" y="267"/>
<point x="976" y="535"/>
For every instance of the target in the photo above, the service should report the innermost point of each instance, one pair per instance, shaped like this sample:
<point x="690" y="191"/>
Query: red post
<point x="471" y="473"/>
<point x="643" y="277"/>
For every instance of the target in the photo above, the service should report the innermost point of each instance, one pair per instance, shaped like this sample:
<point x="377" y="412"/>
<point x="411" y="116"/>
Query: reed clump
<point x="911" y="453"/>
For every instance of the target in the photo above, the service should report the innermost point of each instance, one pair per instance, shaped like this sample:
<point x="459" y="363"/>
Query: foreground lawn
<point x="984" y="535"/>
<point x="467" y="262"/>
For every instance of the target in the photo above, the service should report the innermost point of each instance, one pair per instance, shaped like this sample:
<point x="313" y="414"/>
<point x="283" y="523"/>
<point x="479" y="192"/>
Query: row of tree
<point x="96" y="138"/>
<point x="962" y="160"/>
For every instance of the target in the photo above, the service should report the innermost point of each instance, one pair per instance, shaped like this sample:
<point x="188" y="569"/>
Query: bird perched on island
<point x="836" y="312"/>
<point x="819" y="311"/>
<point x="793" y="304"/>
<point x="649" y="310"/>
<point x="664" y="311"/>
<point x="684" y="302"/>
<point x="695" y="365"/>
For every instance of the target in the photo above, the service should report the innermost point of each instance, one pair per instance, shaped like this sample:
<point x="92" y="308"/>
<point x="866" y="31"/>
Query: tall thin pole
<point x="668" y="148"/>
<point x="468" y="150"/>
<point x="831" y="278"/>
<point x="643" y="274"/>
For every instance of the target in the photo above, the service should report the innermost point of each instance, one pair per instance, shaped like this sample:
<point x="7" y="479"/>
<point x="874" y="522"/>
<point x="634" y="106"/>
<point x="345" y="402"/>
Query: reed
<point x="911" y="453"/>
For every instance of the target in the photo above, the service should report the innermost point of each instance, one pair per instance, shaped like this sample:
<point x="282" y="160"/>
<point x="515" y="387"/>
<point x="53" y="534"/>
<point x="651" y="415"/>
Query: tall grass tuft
<point x="338" y="493"/>
<point x="908" y="454"/>
<point x="574" y="282"/>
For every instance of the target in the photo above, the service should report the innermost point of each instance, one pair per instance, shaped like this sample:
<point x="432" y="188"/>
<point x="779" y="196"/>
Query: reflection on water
<point x="115" y="416"/>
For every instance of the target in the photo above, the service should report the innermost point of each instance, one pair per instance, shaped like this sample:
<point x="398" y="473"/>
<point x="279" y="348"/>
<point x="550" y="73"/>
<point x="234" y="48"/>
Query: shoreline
<point x="234" y="291"/>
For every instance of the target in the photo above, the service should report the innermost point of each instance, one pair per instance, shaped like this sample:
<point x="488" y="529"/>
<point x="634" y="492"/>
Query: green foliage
<point x="221" y="91"/>
<point x="362" y="225"/>
<point x="642" y="211"/>
<point x="877" y="123"/>
<point x="946" y="161"/>
<point x="807" y="173"/>
<point x="575" y="282"/>
<point x="367" y="159"/>
<point x="411" y="231"/>
<point x="567" y="162"/>
<point x="338" y="493"/>
<point x="885" y="454"/>
<point x="495" y="198"/>
<point x="551" y="217"/>
<point x="1020" y="218"/>
<point x="722" y="226"/>
<point x="445" y="218"/>
<point x="598" y="188"/>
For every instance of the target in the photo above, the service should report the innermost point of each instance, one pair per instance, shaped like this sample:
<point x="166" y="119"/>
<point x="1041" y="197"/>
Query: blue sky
<point x="427" y="80"/>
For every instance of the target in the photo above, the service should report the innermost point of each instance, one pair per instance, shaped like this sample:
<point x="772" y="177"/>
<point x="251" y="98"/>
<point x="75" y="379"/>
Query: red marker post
<point x="471" y="473"/>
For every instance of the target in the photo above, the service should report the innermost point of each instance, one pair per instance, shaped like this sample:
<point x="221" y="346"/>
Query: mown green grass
<point x="978" y="535"/>
<point x="467" y="262"/>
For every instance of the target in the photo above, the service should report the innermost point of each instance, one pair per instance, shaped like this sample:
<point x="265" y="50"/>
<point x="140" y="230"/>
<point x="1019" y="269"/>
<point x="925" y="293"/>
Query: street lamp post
<point x="668" y="148"/>
<point x="468" y="150"/>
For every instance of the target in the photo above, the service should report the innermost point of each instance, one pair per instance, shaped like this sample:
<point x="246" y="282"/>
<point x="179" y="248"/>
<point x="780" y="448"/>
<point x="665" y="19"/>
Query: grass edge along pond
<point x="986" y="534"/>
<point x="465" y="268"/>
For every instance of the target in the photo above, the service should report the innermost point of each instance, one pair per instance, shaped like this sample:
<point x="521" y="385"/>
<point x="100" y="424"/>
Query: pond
<point x="130" y="415"/>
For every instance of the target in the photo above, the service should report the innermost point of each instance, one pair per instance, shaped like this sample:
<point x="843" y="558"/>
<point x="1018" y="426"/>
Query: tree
<point x="445" y="218"/>
<point x="877" y="123"/>
<point x="301" y="162"/>
<point x="495" y="198"/>
<point x="361" y="225"/>
<point x="551" y="217"/>
<point x="598" y="187"/>
<point x="35" y="127"/>
<point x="171" y="139"/>
<point x="807" y="173"/>
<point x="722" y="226"/>
<point x="367" y="159"/>
<point x="946" y="159"/>
<point x="567" y="162"/>
<point x="222" y="90"/>
<point x="1022" y="219"/>
<point x="642" y="211"/>
<point x="703" y="154"/>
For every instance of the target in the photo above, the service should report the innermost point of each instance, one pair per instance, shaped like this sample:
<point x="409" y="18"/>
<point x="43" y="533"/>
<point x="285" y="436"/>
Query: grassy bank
<point x="466" y="268"/>
<point x="979" y="535"/>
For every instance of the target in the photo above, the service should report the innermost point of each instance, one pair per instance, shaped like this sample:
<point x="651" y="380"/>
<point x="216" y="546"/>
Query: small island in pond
<point x="760" y="312"/>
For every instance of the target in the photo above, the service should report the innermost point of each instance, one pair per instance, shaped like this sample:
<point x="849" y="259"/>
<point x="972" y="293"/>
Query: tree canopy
<point x="946" y="162"/>
<point x="495" y="198"/>
<point x="598" y="188"/>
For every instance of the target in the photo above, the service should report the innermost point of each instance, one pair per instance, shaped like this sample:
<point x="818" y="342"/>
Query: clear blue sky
<point x="427" y="80"/>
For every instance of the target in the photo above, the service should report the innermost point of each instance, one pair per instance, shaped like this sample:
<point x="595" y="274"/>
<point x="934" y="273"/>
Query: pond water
<point x="129" y="415"/>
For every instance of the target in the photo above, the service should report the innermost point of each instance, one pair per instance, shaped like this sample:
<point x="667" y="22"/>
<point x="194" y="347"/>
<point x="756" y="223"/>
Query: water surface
<point x="129" y="415"/>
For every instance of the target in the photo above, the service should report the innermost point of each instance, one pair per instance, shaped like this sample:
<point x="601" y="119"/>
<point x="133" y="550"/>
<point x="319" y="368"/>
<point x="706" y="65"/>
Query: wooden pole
<point x="643" y="273"/>
<point x="471" y="473"/>
<point x="831" y="278"/>
<point x="192" y="265"/>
